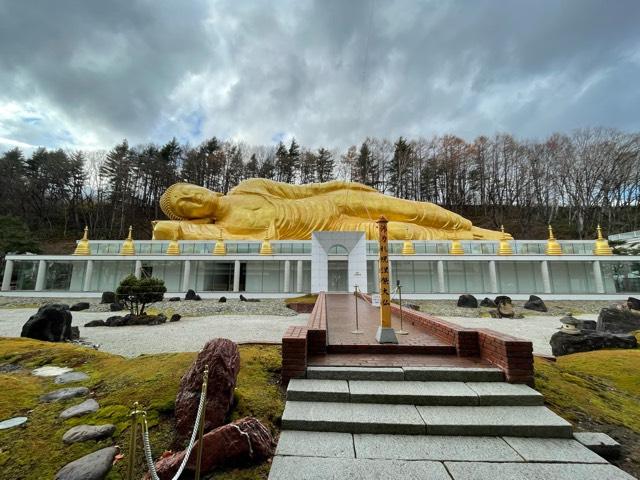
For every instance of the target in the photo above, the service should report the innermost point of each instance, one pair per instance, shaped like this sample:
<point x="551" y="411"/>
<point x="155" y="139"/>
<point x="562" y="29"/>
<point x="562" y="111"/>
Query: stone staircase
<point x="425" y="422"/>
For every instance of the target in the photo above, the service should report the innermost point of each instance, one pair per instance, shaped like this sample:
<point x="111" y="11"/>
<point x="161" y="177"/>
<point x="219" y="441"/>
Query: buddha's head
<point x="184" y="201"/>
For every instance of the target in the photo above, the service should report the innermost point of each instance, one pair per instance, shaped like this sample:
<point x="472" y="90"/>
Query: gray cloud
<point x="87" y="74"/>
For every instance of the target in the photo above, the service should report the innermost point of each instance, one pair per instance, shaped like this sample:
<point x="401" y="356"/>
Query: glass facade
<point x="414" y="277"/>
<point x="64" y="276"/>
<point x="572" y="277"/>
<point x="621" y="276"/>
<point x="107" y="274"/>
<point x="519" y="277"/>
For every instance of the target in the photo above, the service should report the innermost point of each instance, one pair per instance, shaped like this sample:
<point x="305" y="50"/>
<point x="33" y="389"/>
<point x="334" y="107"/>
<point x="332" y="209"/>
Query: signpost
<point x="385" y="333"/>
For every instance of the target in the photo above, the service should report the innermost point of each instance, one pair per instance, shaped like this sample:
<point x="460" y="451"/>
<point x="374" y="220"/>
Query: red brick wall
<point x="301" y="307"/>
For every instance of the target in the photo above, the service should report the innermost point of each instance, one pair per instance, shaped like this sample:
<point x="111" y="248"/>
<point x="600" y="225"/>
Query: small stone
<point x="10" y="368"/>
<point x="12" y="422"/>
<point x="116" y="307"/>
<point x="487" y="302"/>
<point x="618" y="319"/>
<point x="222" y="300"/>
<point x="633" y="303"/>
<point x="64" y="394"/>
<point x="71" y="377"/>
<point x="115" y="321"/>
<point x="94" y="466"/>
<point x="77" y="307"/>
<point x="467" y="301"/>
<point x="83" y="433"/>
<point x="174" y="299"/>
<point x="75" y="333"/>
<point x="108" y="297"/>
<point x="96" y="323"/>
<point x="88" y="406"/>
<point x="412" y="306"/>
<point x="50" y="371"/>
<point x="535" y="303"/>
<point x="175" y="317"/>
<point x="190" y="295"/>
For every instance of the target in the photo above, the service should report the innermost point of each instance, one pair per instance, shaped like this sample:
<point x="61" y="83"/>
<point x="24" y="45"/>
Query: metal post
<point x="401" y="331"/>
<point x="133" y="437"/>
<point x="205" y="383"/>
<point x="357" y="331"/>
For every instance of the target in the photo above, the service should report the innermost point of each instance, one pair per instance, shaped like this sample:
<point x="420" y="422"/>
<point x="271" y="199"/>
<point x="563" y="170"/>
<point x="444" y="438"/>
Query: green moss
<point x="600" y="386"/>
<point x="37" y="451"/>
<point x="309" y="298"/>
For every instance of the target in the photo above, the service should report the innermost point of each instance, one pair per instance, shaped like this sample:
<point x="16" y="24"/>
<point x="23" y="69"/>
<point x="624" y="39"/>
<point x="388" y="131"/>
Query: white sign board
<point x="375" y="300"/>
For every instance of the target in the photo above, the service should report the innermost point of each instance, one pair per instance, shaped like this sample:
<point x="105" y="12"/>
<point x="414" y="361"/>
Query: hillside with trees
<point x="573" y="181"/>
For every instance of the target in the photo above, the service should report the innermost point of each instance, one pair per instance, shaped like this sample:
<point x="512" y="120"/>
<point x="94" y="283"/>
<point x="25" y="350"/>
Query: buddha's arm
<point x="370" y="205"/>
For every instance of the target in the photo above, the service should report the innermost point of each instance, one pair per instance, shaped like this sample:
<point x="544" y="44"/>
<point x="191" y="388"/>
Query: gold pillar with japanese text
<point x="385" y="333"/>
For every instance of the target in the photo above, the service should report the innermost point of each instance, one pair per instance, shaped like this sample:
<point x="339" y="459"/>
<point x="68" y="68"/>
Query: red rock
<point x="239" y="443"/>
<point x="223" y="358"/>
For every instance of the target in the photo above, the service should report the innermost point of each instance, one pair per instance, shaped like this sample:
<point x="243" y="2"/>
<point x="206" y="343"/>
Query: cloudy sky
<point x="88" y="73"/>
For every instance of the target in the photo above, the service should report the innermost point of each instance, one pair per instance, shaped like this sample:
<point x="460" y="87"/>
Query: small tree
<point x="137" y="293"/>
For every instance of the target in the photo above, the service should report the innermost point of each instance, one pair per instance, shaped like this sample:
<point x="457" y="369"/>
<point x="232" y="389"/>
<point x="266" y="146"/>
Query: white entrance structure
<point x="348" y="248"/>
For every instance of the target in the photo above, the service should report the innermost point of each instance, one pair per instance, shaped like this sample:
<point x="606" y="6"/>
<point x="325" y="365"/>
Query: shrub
<point x="137" y="293"/>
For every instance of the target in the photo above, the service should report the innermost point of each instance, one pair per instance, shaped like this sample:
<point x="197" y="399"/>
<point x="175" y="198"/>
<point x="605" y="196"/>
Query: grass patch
<point x="308" y="298"/>
<point x="37" y="451"/>
<point x="600" y="386"/>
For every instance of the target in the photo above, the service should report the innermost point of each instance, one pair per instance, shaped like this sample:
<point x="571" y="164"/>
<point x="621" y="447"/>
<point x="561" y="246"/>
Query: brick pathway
<point x="395" y="360"/>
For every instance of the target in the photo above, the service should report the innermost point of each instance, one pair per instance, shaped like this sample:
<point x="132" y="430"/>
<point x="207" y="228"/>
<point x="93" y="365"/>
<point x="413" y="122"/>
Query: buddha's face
<point x="191" y="201"/>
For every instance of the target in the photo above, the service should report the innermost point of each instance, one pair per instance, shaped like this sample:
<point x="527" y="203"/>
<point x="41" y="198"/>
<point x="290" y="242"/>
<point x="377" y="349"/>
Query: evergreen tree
<point x="282" y="168"/>
<point x="366" y="170"/>
<point x="252" y="168"/>
<point x="401" y="169"/>
<point x="324" y="165"/>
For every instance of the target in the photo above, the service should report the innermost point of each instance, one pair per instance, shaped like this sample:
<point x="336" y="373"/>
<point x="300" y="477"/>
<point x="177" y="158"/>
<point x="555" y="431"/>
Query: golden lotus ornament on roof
<point x="294" y="212"/>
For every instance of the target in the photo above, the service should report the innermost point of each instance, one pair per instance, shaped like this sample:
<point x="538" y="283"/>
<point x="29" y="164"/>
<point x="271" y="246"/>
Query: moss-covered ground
<point x="36" y="451"/>
<point x="597" y="391"/>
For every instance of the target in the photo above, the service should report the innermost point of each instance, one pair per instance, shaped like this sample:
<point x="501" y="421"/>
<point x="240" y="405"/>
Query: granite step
<point x="412" y="392"/>
<point x="515" y="421"/>
<point x="424" y="374"/>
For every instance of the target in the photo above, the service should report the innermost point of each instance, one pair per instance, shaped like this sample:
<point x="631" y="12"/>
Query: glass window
<point x="65" y="276"/>
<point x="519" y="277"/>
<point x="620" y="277"/>
<point x="107" y="275"/>
<point x="338" y="250"/>
<point x="213" y="276"/>
<point x="571" y="277"/>
<point x="24" y="275"/>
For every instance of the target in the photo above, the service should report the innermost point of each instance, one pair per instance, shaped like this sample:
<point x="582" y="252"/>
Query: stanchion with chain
<point x="357" y="331"/>
<point x="133" y="437"/>
<point x="401" y="331"/>
<point x="205" y="382"/>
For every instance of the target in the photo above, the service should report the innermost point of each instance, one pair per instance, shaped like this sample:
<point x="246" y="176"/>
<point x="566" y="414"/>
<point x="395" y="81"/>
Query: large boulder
<point x="239" y="443"/>
<point x="535" y="303"/>
<point x="487" y="302"/>
<point x="77" y="307"/>
<point x="633" y="303"/>
<point x="94" y="466"/>
<point x="618" y="319"/>
<point x="96" y="323"/>
<point x="116" y="307"/>
<point x="223" y="358"/>
<point x="467" y="301"/>
<point x="586" y="341"/>
<point x="108" y="297"/>
<point x="51" y="323"/>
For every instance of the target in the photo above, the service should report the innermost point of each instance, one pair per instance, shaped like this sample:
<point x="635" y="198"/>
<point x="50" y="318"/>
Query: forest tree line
<point x="573" y="181"/>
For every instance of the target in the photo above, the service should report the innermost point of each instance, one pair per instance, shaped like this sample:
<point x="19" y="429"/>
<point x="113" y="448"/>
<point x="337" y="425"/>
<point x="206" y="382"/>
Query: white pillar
<point x="597" y="276"/>
<point x="299" y="276"/>
<point x="236" y="276"/>
<point x="88" y="272"/>
<point x="42" y="275"/>
<point x="186" y="274"/>
<point x="493" y="276"/>
<point x="442" y="286"/>
<point x="138" y="270"/>
<point x="546" y="278"/>
<point x="8" y="272"/>
<point x="287" y="276"/>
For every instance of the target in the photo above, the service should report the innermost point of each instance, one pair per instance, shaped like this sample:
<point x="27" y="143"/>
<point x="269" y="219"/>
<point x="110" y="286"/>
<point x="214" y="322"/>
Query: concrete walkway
<point x="187" y="335"/>
<point x="426" y="423"/>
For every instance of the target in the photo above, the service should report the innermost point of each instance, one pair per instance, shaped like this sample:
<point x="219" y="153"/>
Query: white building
<point x="331" y="261"/>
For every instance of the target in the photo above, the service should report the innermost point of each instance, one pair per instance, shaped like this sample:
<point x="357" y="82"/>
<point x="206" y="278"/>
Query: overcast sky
<point x="88" y="73"/>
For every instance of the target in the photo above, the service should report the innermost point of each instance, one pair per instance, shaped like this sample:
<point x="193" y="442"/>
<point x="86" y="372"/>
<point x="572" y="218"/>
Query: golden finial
<point x="265" y="248"/>
<point x="174" y="247"/>
<point x="407" y="246"/>
<point x="83" y="247"/>
<point x="602" y="244"/>
<point x="220" y="248"/>
<point x="505" y="246"/>
<point x="553" y="247"/>
<point x="128" y="247"/>
<point x="456" y="248"/>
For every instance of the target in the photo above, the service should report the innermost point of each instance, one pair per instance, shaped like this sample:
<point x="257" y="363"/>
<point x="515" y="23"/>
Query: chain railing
<point x="197" y="432"/>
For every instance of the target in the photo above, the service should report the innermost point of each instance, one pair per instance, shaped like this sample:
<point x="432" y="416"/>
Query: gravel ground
<point x="187" y="335"/>
<point x="538" y="329"/>
<point x="202" y="308"/>
<point x="448" y="308"/>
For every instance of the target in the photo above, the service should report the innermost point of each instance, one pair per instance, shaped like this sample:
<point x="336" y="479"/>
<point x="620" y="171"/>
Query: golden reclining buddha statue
<point x="259" y="209"/>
